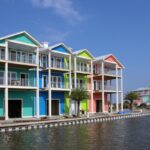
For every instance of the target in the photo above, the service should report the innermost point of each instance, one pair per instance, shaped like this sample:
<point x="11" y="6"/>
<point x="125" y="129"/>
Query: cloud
<point x="63" y="8"/>
<point x="54" y="36"/>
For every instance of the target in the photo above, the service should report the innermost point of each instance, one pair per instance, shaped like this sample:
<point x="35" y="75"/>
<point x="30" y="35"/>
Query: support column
<point x="6" y="82"/>
<point x="75" y="74"/>
<point x="49" y="83"/>
<point x="70" y="82"/>
<point x="121" y="90"/>
<point x="37" y="82"/>
<point x="70" y="79"/>
<point x="117" y="96"/>
<point x="103" y="89"/>
<point x="92" y="86"/>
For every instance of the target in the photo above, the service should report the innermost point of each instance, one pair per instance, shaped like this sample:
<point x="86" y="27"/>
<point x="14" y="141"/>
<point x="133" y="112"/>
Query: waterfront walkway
<point x="26" y="124"/>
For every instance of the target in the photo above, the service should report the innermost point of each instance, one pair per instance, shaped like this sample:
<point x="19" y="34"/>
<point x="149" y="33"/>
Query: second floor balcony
<point x="22" y="57"/>
<point x="22" y="82"/>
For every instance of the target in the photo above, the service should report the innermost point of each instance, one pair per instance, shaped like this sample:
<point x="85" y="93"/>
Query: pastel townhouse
<point x="107" y="84"/>
<point x="55" y="79"/>
<point x="19" y="92"/>
<point x="82" y="69"/>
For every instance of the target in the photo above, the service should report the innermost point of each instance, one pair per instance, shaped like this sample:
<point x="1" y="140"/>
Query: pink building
<point x="107" y="84"/>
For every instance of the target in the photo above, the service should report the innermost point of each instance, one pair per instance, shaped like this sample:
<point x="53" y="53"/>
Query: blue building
<point x="55" y="69"/>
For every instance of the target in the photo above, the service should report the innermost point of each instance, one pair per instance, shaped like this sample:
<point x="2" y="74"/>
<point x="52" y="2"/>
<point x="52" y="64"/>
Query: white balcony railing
<point x="83" y="69"/>
<point x="23" y="58"/>
<point x="81" y="86"/>
<point x="59" y="85"/>
<point x="22" y="82"/>
<point x="106" y="88"/>
<point x="59" y="65"/>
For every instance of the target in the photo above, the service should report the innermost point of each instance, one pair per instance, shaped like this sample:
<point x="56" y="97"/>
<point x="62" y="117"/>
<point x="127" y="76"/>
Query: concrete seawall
<point x="65" y="122"/>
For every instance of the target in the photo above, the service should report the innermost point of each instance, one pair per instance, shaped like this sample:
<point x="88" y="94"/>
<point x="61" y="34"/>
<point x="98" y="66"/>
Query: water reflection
<point x="126" y="134"/>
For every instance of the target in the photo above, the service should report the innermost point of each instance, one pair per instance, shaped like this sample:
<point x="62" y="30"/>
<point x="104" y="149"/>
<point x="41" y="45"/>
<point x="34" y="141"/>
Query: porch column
<point x="121" y="90"/>
<point x="37" y="82"/>
<point x="103" y="89"/>
<point x="49" y="83"/>
<point x="92" y="86"/>
<point x="75" y="74"/>
<point x="6" y="82"/>
<point x="117" y="96"/>
<point x="70" y="81"/>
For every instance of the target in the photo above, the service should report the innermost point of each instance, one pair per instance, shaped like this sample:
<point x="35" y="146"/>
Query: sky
<point x="119" y="27"/>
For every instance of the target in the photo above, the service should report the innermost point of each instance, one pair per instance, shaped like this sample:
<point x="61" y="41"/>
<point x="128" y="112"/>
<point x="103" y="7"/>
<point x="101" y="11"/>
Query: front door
<point x="14" y="108"/>
<point x="98" y="106"/>
<point x="55" y="107"/>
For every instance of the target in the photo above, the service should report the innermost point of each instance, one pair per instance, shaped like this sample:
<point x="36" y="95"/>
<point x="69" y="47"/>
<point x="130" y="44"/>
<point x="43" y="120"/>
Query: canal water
<point x="126" y="134"/>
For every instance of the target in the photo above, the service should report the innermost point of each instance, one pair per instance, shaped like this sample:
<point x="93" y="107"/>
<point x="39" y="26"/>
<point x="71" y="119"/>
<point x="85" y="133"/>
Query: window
<point x="12" y="78"/>
<point x="58" y="63"/>
<point x="1" y="77"/>
<point x="94" y="69"/>
<point x="31" y="58"/>
<point x="13" y="55"/>
<point x="44" y="61"/>
<point x="56" y="81"/>
<point x="24" y="57"/>
<point x="18" y="56"/>
<point x="2" y="54"/>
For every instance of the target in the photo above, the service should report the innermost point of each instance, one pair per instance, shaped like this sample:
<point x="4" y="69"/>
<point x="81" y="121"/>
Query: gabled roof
<point x="83" y="50"/>
<point x="69" y="49"/>
<point x="104" y="57"/>
<point x="22" y="32"/>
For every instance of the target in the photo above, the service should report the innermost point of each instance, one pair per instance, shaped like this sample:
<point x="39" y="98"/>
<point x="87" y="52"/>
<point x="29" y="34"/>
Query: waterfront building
<point x="19" y="76"/>
<point x="107" y="83"/>
<point x="144" y="95"/>
<point x="36" y="79"/>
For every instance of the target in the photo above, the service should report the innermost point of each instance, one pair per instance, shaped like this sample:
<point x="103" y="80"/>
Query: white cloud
<point x="63" y="8"/>
<point x="54" y="36"/>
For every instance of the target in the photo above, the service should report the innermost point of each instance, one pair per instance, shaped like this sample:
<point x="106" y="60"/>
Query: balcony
<point x="59" y="66"/>
<point x="106" y="88"/>
<point x="22" y="57"/>
<point x="109" y="88"/>
<point x="83" y="69"/>
<point x="81" y="86"/>
<point x="59" y="85"/>
<point x="21" y="82"/>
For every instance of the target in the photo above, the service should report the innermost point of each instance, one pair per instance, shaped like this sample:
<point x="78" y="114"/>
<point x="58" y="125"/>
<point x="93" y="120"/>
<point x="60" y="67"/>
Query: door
<point x="55" y="107"/>
<point x="24" y="79"/>
<point x="98" y="106"/>
<point x="47" y="106"/>
<point x="14" y="108"/>
<point x="44" y="81"/>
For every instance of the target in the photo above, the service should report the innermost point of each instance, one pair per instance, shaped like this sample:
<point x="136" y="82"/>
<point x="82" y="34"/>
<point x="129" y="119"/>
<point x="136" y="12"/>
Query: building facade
<point x="144" y="95"/>
<point x="36" y="80"/>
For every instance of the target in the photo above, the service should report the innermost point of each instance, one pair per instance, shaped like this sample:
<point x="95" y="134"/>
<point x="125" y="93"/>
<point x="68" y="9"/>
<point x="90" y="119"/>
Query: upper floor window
<point x="2" y="53"/>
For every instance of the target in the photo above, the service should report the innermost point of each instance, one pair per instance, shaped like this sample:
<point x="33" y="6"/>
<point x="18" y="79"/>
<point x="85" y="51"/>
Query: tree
<point x="78" y="95"/>
<point x="131" y="96"/>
